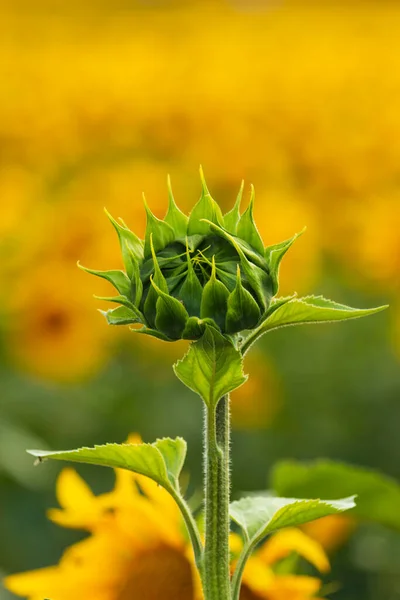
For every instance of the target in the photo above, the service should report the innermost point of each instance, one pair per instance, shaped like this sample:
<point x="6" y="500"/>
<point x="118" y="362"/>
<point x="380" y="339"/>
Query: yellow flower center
<point x="161" y="574"/>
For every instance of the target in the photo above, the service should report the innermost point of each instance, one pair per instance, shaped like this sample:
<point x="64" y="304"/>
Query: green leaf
<point x="175" y="217"/>
<point x="243" y="311"/>
<point x="247" y="230"/>
<point x="310" y="309"/>
<point x="231" y="219"/>
<point x="206" y="208"/>
<point x="214" y="301"/>
<point x="314" y="309"/>
<point x="260" y="516"/>
<point x="161" y="233"/>
<point x="161" y="461"/>
<point x="171" y="315"/>
<point x="378" y="496"/>
<point x="118" y="279"/>
<point x="122" y="316"/>
<point x="131" y="245"/>
<point x="274" y="255"/>
<point x="212" y="367"/>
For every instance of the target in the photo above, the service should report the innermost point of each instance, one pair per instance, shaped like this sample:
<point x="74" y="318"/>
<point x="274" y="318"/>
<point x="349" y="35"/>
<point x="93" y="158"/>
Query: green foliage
<point x="161" y="461"/>
<point x="212" y="367"/>
<point x="378" y="496"/>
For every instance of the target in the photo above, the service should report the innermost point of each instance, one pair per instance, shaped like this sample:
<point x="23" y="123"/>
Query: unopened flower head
<point x="189" y="271"/>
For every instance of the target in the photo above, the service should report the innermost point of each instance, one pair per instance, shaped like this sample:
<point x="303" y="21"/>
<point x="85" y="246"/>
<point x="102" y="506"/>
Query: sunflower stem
<point x="216" y="574"/>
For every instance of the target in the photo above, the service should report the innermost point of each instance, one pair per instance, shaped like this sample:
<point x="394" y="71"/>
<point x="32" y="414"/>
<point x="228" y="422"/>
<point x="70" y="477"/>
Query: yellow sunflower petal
<point x="293" y="587"/>
<point x="31" y="582"/>
<point x="331" y="532"/>
<point x="72" y="491"/>
<point x="235" y="543"/>
<point x="257" y="575"/>
<point x="291" y="540"/>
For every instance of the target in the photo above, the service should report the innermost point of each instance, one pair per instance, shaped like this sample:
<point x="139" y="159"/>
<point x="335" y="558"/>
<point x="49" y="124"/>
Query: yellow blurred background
<point x="98" y="102"/>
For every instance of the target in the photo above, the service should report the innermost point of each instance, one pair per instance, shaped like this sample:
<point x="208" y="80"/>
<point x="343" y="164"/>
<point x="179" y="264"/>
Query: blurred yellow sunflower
<point x="138" y="549"/>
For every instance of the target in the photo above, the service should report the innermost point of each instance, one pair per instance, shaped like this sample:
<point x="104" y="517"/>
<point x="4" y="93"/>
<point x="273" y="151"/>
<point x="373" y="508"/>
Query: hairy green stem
<point x="216" y="575"/>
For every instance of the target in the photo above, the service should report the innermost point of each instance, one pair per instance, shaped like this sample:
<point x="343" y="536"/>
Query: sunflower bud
<point x="190" y="271"/>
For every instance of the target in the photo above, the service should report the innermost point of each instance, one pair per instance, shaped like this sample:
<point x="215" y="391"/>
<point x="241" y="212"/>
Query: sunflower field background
<point x="98" y="102"/>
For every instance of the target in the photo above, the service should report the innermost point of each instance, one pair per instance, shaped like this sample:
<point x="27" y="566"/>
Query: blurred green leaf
<point x="378" y="496"/>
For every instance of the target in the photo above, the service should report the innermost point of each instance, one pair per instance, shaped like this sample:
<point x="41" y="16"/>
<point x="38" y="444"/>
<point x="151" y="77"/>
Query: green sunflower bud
<point x="189" y="272"/>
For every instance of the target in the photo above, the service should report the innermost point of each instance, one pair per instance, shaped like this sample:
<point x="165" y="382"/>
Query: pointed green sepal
<point x="175" y="217"/>
<point x="131" y="245"/>
<point x="150" y="303"/>
<point x="152" y="333"/>
<point x="274" y="255"/>
<point x="206" y="208"/>
<point x="161" y="233"/>
<point x="171" y="316"/>
<point x="117" y="299"/>
<point x="136" y="287"/>
<point x="122" y="315"/>
<point x="191" y="291"/>
<point x="247" y="230"/>
<point x="118" y="279"/>
<point x="243" y="311"/>
<point x="214" y="302"/>
<point x="194" y="329"/>
<point x="212" y="367"/>
<point x="231" y="219"/>
<point x="258" y="277"/>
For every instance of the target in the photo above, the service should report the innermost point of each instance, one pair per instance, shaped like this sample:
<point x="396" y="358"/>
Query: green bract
<point x="196" y="270"/>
